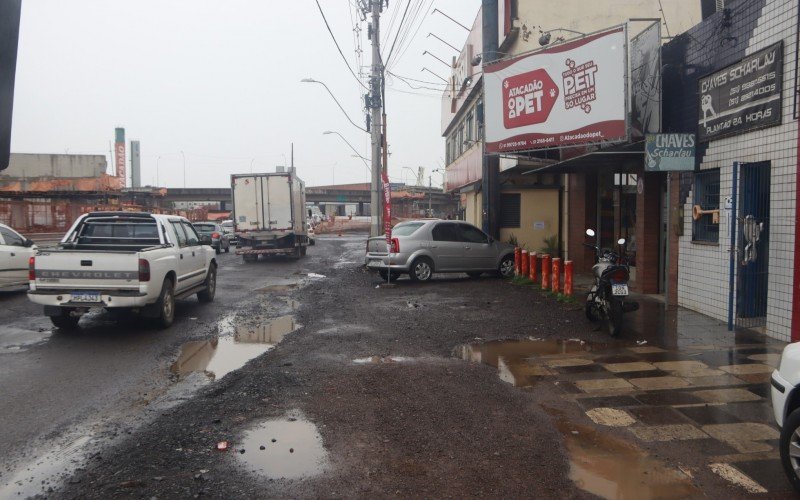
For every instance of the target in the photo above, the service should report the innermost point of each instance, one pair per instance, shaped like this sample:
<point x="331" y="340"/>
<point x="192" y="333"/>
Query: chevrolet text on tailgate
<point x="123" y="261"/>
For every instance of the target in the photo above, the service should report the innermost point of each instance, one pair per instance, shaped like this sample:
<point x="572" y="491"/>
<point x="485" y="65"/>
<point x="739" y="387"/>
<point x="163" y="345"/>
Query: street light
<point x="414" y="173"/>
<point x="327" y="132"/>
<point x="311" y="80"/>
<point x="184" y="169"/>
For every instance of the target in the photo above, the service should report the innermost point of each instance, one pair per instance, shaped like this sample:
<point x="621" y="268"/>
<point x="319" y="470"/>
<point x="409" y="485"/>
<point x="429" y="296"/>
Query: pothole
<point x="223" y="354"/>
<point x="516" y="360"/>
<point x="613" y="468"/>
<point x="285" y="448"/>
<point x="288" y="287"/>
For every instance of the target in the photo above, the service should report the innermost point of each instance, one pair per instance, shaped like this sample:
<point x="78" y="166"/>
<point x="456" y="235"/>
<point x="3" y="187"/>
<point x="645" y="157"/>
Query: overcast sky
<point x="220" y="81"/>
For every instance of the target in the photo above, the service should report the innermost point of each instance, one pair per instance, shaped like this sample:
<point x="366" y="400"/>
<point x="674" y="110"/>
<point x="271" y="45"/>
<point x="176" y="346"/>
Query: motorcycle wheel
<point x="614" y="317"/>
<point x="591" y="310"/>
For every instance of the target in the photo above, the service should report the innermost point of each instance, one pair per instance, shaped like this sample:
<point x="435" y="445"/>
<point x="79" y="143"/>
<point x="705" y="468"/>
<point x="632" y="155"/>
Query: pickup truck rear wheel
<point x="65" y="321"/>
<point x="166" y="304"/>
<point x="207" y="295"/>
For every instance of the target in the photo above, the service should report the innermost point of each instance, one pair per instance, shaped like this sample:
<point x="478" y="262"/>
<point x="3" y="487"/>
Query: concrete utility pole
<point x="430" y="197"/>
<point x="375" y="104"/>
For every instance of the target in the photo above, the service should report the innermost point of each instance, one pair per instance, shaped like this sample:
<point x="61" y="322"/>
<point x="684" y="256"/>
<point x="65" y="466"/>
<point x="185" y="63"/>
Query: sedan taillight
<point x="215" y="235"/>
<point x="32" y="269"/>
<point x="395" y="245"/>
<point x="144" y="270"/>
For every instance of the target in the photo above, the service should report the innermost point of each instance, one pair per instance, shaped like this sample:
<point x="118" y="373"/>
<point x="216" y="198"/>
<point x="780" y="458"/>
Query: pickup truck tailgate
<point x="64" y="269"/>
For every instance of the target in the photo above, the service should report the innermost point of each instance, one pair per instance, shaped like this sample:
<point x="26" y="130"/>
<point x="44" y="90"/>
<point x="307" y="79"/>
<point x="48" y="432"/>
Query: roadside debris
<point x="222" y="446"/>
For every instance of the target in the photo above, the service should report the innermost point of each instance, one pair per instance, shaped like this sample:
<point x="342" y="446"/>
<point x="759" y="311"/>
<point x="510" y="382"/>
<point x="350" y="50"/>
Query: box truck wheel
<point x="249" y="258"/>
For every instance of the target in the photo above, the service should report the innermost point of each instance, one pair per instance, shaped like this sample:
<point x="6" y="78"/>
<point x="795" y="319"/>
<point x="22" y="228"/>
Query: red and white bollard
<point x="545" y="272"/>
<point x="532" y="266"/>
<point x="556" y="275"/>
<point x="517" y="256"/>
<point x="568" y="278"/>
<point x="524" y="262"/>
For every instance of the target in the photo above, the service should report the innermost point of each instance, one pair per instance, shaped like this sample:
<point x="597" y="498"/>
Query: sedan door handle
<point x="181" y="256"/>
<point x="192" y="253"/>
<point x="467" y="247"/>
<point x="13" y="254"/>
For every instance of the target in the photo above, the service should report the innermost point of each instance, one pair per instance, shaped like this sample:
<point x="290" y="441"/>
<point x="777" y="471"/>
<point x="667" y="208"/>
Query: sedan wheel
<point x="507" y="267"/>
<point x="421" y="270"/>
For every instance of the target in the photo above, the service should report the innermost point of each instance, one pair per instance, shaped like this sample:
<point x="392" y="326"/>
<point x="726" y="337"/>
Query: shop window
<point x="706" y="194"/>
<point x="510" y="208"/>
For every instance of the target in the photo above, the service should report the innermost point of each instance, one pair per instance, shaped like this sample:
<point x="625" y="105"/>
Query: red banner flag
<point x="387" y="209"/>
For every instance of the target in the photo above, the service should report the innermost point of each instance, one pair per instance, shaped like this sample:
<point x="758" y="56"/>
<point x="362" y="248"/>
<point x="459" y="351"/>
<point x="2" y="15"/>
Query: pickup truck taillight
<point x="395" y="245"/>
<point x="32" y="269"/>
<point x="215" y="235"/>
<point x="144" y="270"/>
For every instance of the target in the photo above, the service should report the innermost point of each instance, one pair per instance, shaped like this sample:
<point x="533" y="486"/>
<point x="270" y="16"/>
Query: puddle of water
<point x="277" y="288"/>
<point x="512" y="358"/>
<point x="297" y="451"/>
<point x="376" y="360"/>
<point x="221" y="355"/>
<point x="613" y="468"/>
<point x="18" y="338"/>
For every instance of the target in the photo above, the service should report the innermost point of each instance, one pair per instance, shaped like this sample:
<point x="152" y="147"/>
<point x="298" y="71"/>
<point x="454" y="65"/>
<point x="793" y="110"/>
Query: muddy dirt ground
<point x="430" y="425"/>
<point x="372" y="398"/>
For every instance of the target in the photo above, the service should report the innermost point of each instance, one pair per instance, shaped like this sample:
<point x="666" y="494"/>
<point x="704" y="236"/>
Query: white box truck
<point x="269" y="214"/>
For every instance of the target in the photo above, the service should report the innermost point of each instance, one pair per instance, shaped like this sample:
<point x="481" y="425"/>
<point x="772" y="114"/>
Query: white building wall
<point x="704" y="269"/>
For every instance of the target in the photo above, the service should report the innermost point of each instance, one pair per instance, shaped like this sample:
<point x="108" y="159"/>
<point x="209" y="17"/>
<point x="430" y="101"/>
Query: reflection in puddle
<point x="512" y="358"/>
<point x="221" y="355"/>
<point x="376" y="360"/>
<point x="287" y="448"/>
<point x="613" y="468"/>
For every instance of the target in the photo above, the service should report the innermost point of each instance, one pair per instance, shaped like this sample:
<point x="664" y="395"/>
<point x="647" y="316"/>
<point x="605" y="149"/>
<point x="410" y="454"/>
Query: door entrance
<point x="753" y="245"/>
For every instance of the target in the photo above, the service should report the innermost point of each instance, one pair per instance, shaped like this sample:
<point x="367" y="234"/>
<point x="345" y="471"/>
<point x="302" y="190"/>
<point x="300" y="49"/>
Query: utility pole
<point x="430" y="197"/>
<point x="376" y="127"/>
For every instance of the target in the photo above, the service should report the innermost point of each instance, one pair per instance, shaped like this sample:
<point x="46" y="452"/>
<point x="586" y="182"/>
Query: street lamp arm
<point x="311" y="80"/>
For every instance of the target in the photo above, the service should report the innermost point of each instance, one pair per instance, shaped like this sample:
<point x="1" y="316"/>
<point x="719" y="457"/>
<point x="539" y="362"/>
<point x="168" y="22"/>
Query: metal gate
<point x="752" y="255"/>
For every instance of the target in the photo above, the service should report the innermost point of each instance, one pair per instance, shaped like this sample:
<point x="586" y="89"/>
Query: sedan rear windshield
<point x="205" y="228"/>
<point x="406" y="229"/>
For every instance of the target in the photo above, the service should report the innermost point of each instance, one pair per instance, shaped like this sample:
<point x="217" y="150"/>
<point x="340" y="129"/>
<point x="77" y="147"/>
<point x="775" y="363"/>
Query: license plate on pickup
<point x="85" y="297"/>
<point x="619" y="289"/>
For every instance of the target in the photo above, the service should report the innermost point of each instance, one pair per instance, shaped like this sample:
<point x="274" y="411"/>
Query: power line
<point x="337" y="46"/>
<point x="399" y="28"/>
<point x="402" y="77"/>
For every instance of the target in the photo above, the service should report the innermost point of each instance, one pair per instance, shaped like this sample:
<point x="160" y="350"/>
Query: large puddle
<point x="286" y="448"/>
<point x="516" y="360"/>
<point x="613" y="468"/>
<point x="223" y="354"/>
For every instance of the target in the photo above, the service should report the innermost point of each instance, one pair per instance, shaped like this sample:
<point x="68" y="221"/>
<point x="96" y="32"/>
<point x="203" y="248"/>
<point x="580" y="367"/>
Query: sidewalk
<point x="685" y="400"/>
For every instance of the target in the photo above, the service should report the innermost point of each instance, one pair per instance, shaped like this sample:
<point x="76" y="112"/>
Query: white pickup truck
<point x="123" y="261"/>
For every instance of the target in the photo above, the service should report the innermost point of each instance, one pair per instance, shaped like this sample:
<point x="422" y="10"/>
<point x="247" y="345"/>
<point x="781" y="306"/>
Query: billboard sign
<point x="119" y="155"/>
<point x="742" y="97"/>
<point x="387" y="209"/>
<point x="646" y="81"/>
<point x="568" y="94"/>
<point x="669" y="152"/>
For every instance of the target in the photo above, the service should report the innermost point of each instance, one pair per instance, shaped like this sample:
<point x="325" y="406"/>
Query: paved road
<point x="59" y="387"/>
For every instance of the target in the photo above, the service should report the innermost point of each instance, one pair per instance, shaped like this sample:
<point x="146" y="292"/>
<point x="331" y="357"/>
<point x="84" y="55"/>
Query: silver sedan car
<point x="423" y="247"/>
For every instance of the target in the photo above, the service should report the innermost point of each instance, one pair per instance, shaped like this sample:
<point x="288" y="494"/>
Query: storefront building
<point x="731" y="80"/>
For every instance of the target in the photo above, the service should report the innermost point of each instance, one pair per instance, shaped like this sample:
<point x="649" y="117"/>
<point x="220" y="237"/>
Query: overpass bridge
<point x="333" y="199"/>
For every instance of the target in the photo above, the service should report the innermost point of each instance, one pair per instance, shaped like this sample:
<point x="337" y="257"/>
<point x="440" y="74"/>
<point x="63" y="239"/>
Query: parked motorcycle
<point x="606" y="300"/>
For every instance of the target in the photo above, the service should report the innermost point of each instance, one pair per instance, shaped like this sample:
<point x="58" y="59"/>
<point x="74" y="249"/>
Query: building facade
<point x="736" y="232"/>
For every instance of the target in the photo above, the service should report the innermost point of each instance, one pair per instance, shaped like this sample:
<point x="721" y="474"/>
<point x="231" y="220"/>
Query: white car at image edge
<point x="15" y="253"/>
<point x="786" y="406"/>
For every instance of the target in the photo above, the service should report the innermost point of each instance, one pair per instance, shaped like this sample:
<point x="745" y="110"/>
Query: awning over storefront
<point x="621" y="158"/>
